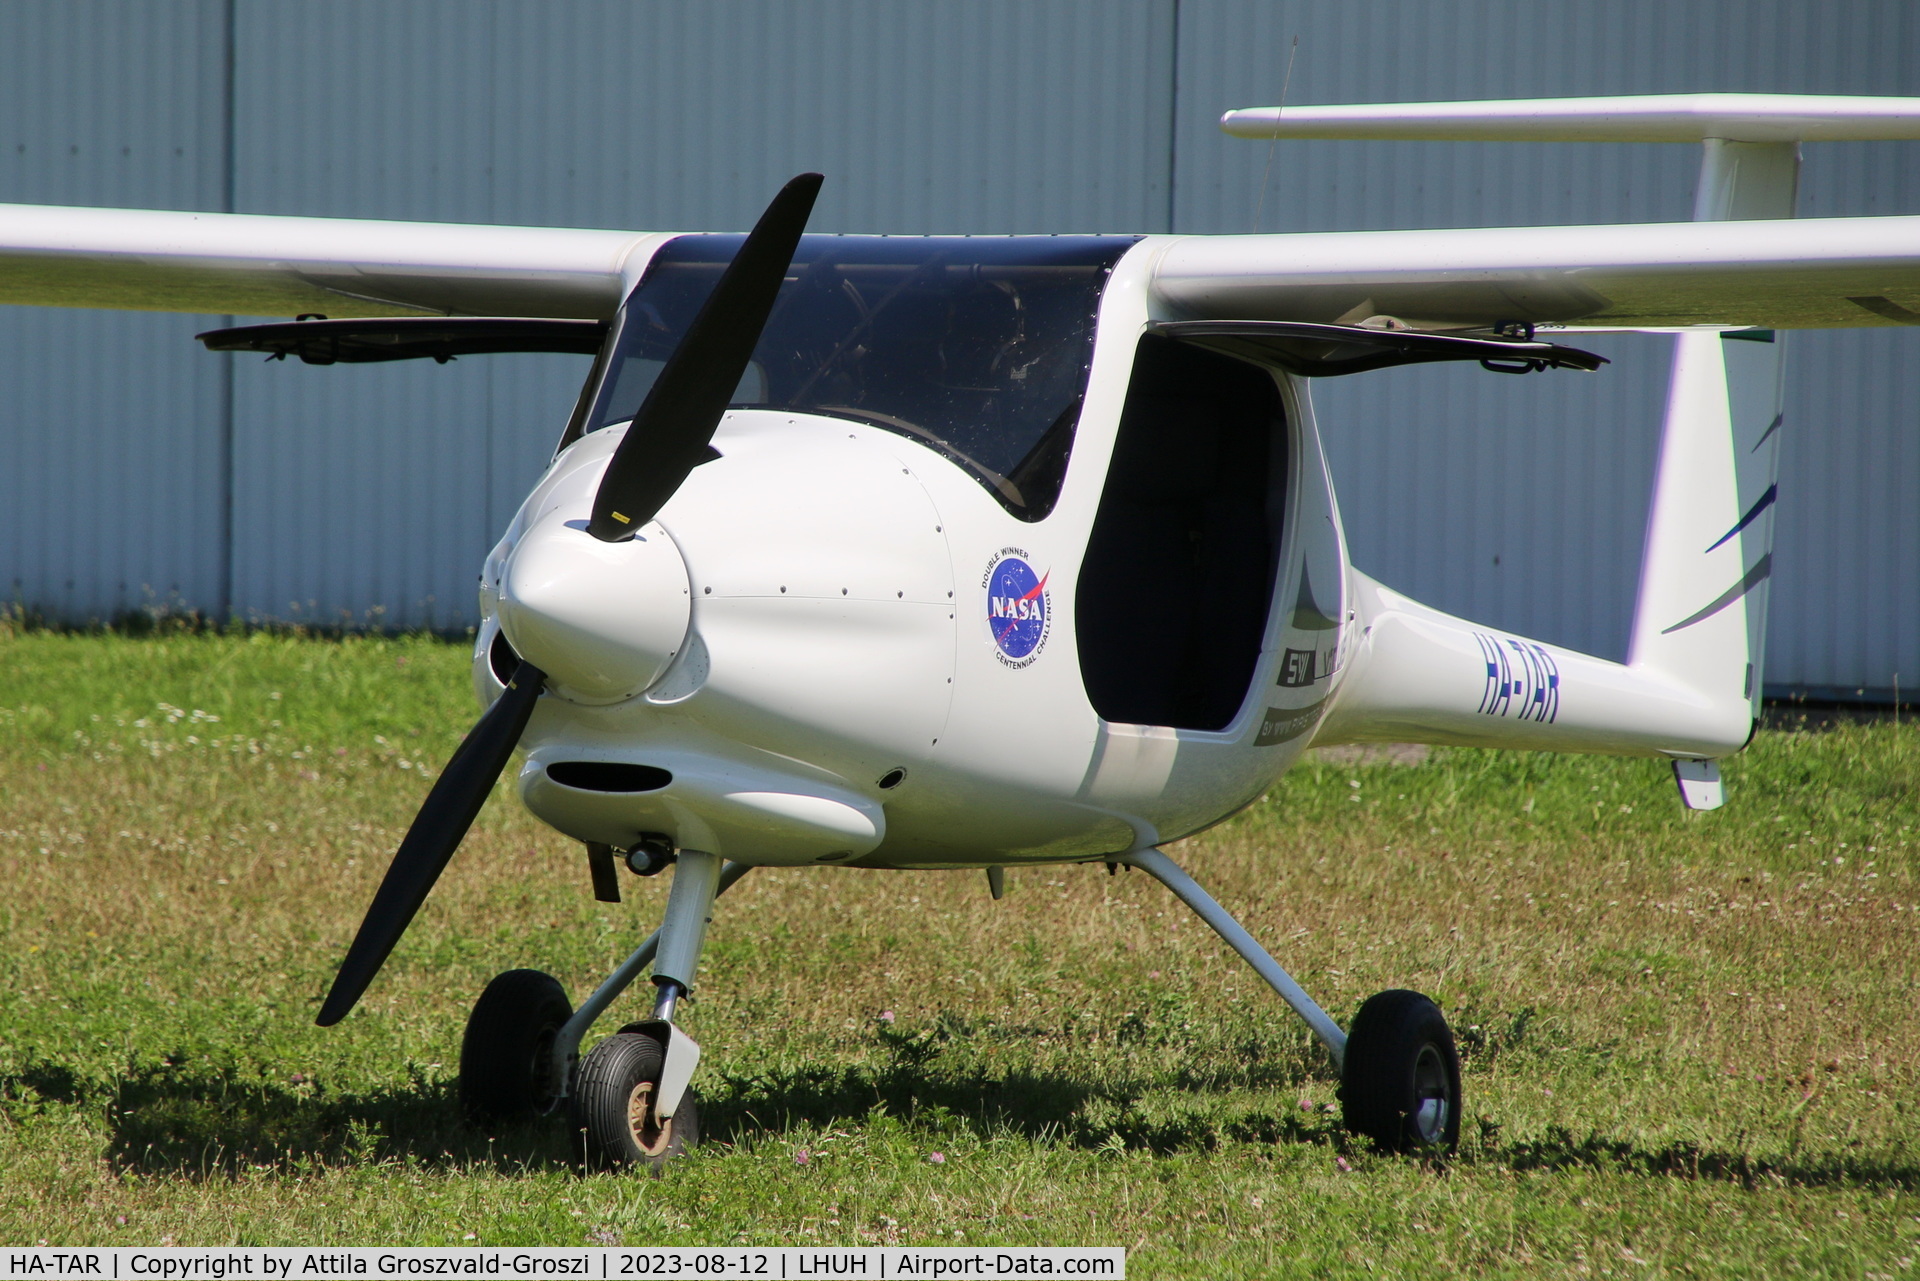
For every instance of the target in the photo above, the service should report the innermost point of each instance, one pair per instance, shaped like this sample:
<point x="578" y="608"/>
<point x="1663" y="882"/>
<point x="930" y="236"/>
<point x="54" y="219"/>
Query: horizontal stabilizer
<point x="1666" y="117"/>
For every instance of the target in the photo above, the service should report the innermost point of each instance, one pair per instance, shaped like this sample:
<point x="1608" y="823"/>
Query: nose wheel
<point x="1400" y="1085"/>
<point x="613" y="1107"/>
<point x="507" y="1054"/>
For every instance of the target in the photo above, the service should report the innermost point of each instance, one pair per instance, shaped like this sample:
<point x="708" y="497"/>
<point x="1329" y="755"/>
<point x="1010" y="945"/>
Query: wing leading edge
<point x="1805" y="273"/>
<point x="260" y="265"/>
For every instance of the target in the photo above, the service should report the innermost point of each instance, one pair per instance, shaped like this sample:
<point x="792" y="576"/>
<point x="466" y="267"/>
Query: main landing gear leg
<point x="1399" y="1069"/>
<point x="631" y="1105"/>
<point x="1171" y="875"/>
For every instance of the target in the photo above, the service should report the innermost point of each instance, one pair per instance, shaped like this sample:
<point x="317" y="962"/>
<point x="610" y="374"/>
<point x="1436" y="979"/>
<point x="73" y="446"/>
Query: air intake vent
<point x="502" y="659"/>
<point x="608" y="776"/>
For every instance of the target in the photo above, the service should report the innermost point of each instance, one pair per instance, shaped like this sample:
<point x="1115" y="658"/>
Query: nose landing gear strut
<point x="628" y="1100"/>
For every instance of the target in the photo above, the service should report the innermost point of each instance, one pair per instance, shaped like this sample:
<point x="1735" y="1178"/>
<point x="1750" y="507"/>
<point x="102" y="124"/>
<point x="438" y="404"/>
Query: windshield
<point x="975" y="346"/>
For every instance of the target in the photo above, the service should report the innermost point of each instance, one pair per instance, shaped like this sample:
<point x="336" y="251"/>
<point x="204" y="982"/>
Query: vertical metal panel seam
<point x="1173" y="118"/>
<point x="228" y="188"/>
<point x="489" y="425"/>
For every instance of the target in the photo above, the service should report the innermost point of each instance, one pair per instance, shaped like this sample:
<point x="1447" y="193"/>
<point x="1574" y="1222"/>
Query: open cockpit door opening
<point x="1177" y="584"/>
<point x="1182" y="563"/>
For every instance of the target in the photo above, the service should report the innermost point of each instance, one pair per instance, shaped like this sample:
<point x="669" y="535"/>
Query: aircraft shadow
<point x="1032" y="1105"/>
<point x="1560" y="1149"/>
<point x="928" y="1081"/>
<point x="1053" y="1108"/>
<point x="921" y="1085"/>
<point x="219" y="1122"/>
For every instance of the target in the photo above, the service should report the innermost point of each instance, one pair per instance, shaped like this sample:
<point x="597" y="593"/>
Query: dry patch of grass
<point x="1692" y="1039"/>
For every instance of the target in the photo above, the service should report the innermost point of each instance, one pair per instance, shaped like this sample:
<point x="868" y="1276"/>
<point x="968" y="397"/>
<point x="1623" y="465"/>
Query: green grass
<point x="1691" y="1039"/>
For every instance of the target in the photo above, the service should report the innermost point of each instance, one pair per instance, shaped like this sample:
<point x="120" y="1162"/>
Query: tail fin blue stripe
<point x="1766" y="501"/>
<point x="1754" y="577"/>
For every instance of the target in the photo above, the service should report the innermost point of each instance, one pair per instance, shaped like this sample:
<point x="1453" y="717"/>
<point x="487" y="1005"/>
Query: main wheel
<point x="613" y="1106"/>
<point x="1400" y="1085"/>
<point x="506" y="1056"/>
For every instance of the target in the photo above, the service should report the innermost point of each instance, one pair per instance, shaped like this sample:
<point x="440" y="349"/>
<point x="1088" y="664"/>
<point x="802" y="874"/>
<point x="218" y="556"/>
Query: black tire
<point x="506" y="1053"/>
<point x="1400" y="1085"/>
<point x="612" y="1107"/>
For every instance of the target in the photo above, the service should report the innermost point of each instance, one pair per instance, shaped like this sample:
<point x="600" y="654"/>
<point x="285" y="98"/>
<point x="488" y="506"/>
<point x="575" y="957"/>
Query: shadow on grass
<point x="922" y="1086"/>
<point x="212" y="1122"/>
<point x="1177" y="1113"/>
<point x="221" y="1122"/>
<point x="1558" y="1149"/>
<point x="1032" y="1105"/>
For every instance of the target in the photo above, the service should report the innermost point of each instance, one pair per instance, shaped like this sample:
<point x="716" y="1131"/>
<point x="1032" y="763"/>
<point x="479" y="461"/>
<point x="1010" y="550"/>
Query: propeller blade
<point x="449" y="810"/>
<point x="670" y="434"/>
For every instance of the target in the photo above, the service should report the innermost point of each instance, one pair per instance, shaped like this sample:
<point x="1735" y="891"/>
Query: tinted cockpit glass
<point x="975" y="346"/>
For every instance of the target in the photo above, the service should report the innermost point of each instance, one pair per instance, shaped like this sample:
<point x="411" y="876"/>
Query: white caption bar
<point x="610" y="1263"/>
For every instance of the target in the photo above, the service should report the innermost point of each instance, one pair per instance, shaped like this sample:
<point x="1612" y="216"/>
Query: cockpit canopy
<point x="977" y="347"/>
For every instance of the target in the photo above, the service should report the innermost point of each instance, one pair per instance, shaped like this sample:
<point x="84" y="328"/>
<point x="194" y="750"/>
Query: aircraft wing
<point x="1769" y="274"/>
<point x="257" y="265"/>
<point x="1782" y="274"/>
<point x="1740" y="262"/>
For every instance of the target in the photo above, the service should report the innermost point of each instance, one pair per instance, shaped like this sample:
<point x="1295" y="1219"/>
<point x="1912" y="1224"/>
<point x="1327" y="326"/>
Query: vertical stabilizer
<point x="1702" y="613"/>
<point x="1690" y="690"/>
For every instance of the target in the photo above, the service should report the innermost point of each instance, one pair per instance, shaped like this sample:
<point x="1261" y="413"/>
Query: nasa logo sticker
<point x="1019" y="608"/>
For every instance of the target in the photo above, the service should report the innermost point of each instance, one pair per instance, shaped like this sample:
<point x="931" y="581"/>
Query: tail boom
<point x="1423" y="676"/>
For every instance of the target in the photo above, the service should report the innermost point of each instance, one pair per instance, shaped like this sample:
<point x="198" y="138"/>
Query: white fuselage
<point x="841" y="632"/>
<point x="834" y="646"/>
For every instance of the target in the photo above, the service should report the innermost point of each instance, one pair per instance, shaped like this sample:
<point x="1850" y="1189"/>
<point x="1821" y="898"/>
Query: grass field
<point x="1692" y="1040"/>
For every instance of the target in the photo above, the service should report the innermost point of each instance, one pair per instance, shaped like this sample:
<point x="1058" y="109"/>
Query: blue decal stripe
<point x="1766" y="501"/>
<point x="1493" y="673"/>
<point x="1754" y="578"/>
<point x="1772" y="427"/>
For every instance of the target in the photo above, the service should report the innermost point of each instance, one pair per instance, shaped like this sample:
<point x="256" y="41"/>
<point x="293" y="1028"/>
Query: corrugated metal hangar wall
<point x="140" y="471"/>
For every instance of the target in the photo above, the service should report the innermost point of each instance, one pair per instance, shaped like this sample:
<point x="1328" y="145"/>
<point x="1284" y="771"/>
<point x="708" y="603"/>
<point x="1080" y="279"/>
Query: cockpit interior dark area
<point x="1180" y="567"/>
<point x="976" y="346"/>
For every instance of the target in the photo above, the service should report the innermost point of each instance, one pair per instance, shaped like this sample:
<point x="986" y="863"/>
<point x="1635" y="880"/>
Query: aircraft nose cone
<point x="602" y="620"/>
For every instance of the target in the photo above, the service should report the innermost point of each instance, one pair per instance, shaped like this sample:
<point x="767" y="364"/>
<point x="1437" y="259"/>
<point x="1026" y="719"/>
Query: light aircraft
<point x="974" y="552"/>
